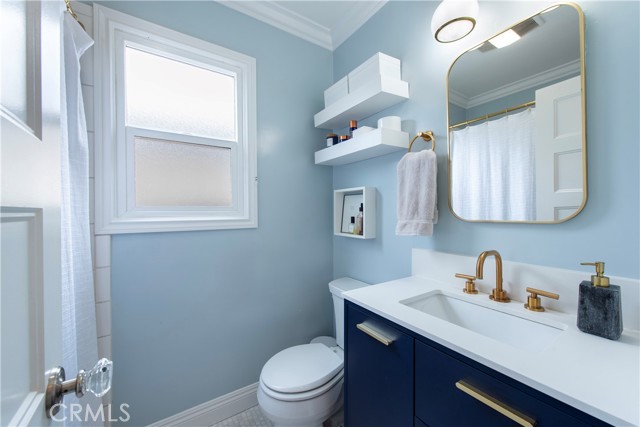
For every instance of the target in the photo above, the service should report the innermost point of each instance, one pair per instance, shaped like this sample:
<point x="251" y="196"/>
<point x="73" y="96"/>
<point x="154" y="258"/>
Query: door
<point x="30" y="309"/>
<point x="559" y="156"/>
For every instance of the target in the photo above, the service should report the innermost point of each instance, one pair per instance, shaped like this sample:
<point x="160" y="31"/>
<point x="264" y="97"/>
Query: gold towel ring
<point x="427" y="136"/>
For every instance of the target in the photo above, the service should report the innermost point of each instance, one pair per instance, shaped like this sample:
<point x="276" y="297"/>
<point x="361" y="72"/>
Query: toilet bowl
<point x="302" y="385"/>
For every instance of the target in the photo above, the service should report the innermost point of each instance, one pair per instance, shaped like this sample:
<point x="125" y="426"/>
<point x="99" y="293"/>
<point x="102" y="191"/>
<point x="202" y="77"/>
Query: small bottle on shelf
<point x="359" y="221"/>
<point x="352" y="226"/>
<point x="353" y="125"/>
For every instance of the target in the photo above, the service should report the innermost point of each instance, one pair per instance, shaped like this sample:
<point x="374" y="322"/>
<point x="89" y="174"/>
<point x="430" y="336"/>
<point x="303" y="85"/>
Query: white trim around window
<point x="116" y="210"/>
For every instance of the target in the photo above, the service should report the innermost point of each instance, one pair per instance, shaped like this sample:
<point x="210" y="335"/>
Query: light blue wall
<point x="197" y="314"/>
<point x="457" y="114"/>
<point x="607" y="229"/>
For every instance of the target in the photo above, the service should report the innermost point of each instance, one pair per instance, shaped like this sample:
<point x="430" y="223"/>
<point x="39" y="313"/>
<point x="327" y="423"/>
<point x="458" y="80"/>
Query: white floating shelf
<point x="368" y="200"/>
<point x="379" y="94"/>
<point x="376" y="143"/>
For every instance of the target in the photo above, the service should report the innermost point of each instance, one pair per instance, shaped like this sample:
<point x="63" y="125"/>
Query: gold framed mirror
<point x="516" y="111"/>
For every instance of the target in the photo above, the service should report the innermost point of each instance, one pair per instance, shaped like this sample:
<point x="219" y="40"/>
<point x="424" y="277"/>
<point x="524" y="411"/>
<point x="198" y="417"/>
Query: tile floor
<point x="252" y="417"/>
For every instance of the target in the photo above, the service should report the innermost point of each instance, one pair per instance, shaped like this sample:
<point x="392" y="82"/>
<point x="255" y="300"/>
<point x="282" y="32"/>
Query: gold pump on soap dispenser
<point x="599" y="279"/>
<point x="600" y="305"/>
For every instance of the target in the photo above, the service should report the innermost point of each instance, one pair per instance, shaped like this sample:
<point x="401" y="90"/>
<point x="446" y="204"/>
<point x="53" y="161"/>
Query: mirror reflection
<point x="516" y="122"/>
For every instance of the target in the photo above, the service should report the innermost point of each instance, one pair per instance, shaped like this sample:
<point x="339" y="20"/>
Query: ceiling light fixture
<point x="505" y="39"/>
<point x="454" y="19"/>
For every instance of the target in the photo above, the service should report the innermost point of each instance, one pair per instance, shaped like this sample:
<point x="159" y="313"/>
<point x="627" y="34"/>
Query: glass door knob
<point x="97" y="381"/>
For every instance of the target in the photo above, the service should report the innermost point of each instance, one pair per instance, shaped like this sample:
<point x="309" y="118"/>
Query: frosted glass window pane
<point x="174" y="96"/>
<point x="169" y="173"/>
<point x="13" y="21"/>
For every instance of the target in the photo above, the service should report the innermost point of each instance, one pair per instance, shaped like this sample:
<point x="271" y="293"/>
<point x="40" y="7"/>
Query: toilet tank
<point x="337" y="287"/>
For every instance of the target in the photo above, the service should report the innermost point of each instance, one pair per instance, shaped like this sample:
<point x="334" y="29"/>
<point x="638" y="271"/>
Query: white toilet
<point x="302" y="385"/>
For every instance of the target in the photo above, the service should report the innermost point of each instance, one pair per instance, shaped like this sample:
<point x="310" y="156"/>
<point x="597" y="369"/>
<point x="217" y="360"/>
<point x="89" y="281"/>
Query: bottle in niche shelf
<point x="352" y="226"/>
<point x="359" y="221"/>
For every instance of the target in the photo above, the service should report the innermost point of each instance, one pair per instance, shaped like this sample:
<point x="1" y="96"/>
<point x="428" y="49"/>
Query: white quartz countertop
<point x="595" y="375"/>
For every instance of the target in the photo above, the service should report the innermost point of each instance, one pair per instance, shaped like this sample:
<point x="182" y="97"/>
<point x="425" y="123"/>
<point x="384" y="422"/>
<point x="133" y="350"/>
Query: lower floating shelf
<point x="376" y="143"/>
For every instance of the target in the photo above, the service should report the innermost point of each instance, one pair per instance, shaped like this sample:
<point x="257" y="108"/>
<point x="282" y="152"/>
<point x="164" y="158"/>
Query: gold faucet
<point x="497" y="294"/>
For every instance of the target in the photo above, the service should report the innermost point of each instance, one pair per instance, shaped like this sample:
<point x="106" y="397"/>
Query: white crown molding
<point x="456" y="98"/>
<point x="284" y="19"/>
<point x="556" y="73"/>
<point x="300" y="26"/>
<point x="350" y="22"/>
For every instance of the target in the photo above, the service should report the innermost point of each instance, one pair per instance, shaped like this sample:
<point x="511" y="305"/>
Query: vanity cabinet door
<point x="378" y="376"/>
<point x="442" y="403"/>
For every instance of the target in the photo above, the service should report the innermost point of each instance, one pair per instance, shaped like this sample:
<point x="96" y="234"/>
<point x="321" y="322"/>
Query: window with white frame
<point x="177" y="130"/>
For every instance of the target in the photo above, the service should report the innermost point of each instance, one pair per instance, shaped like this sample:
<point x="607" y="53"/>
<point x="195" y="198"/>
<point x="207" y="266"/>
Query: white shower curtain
<point x="80" y="344"/>
<point x="493" y="169"/>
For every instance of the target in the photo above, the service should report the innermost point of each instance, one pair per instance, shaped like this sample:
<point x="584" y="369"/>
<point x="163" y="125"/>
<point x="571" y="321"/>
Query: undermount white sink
<point x="508" y="328"/>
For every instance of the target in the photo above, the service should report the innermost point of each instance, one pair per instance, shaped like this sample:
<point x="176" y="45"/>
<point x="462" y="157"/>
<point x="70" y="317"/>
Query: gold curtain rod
<point x="73" y="14"/>
<point x="497" y="113"/>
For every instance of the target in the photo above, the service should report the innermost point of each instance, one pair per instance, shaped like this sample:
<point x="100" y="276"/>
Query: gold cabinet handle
<point x="374" y="334"/>
<point x="496" y="405"/>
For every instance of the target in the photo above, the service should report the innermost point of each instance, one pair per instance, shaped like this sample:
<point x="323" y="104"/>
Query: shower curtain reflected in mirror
<point x="493" y="169"/>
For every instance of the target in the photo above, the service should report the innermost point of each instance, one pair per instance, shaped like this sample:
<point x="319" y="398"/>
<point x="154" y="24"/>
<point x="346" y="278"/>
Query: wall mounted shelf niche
<point x="346" y="203"/>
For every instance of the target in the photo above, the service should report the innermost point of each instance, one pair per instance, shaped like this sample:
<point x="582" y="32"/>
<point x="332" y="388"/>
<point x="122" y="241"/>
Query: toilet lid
<point x="301" y="368"/>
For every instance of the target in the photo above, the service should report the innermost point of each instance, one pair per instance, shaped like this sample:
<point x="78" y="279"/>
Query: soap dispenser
<point x="600" y="305"/>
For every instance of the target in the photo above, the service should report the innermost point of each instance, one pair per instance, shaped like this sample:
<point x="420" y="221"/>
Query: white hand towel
<point x="417" y="196"/>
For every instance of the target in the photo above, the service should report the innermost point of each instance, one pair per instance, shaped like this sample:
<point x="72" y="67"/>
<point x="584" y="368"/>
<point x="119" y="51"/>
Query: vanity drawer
<point x="449" y="392"/>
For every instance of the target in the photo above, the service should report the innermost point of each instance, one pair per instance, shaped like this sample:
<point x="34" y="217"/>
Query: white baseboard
<point x="213" y="411"/>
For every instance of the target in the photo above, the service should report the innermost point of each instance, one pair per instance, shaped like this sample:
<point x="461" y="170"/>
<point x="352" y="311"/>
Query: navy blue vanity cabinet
<point x="450" y="392"/>
<point x="414" y="381"/>
<point x="378" y="372"/>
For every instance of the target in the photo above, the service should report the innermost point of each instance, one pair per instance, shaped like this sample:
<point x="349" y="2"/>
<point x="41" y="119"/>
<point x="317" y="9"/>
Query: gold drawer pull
<point x="374" y="334"/>
<point x="496" y="405"/>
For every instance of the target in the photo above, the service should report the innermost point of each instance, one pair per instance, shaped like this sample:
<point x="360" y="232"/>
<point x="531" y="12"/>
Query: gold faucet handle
<point x="469" y="285"/>
<point x="533" y="301"/>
